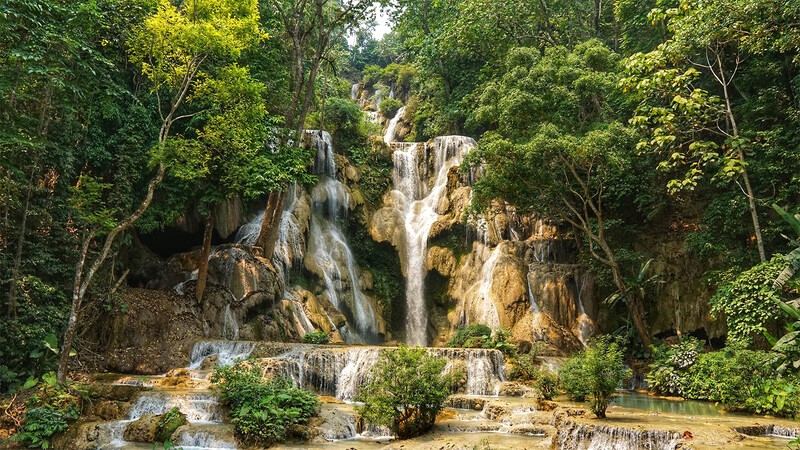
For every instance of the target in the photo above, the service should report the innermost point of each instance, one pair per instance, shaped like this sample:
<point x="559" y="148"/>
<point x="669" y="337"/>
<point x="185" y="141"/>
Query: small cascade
<point x="198" y="407"/>
<point x="202" y="439"/>
<point x="230" y="327"/>
<point x="483" y="308"/>
<point x="419" y="200"/>
<point x="574" y="436"/>
<point x="328" y="254"/>
<point x="561" y="296"/>
<point x="340" y="372"/>
<point x="390" y="137"/>
<point x="585" y="327"/>
<point x="227" y="352"/>
<point x="354" y="92"/>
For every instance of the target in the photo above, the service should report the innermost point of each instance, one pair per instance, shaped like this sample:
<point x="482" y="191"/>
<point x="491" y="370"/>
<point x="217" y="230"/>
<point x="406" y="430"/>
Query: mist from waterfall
<point x="418" y="200"/>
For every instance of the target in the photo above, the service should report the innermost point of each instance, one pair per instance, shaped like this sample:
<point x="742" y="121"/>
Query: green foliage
<point x="749" y="302"/>
<point x="788" y="346"/>
<point x="741" y="380"/>
<point x="595" y="373"/>
<point x="405" y="391"/>
<point x="316" y="337"/>
<point x="478" y="335"/>
<point x="42" y="422"/>
<point x="49" y="412"/>
<point x="526" y="370"/>
<point x="263" y="411"/>
<point x="390" y="106"/>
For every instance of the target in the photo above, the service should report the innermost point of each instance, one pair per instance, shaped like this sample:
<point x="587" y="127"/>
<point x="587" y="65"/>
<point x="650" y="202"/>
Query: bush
<point x="405" y="391"/>
<point x="749" y="302"/>
<point x="262" y="411"/>
<point x="390" y="106"/>
<point x="317" y="337"/>
<point x="49" y="412"/>
<point x="739" y="379"/>
<point x="480" y="336"/>
<point x="526" y="370"/>
<point x="595" y="373"/>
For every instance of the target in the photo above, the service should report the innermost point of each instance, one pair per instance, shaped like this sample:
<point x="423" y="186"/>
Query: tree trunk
<point x="751" y="199"/>
<point x="77" y="298"/>
<point x="637" y="315"/>
<point x="202" y="271"/>
<point x="270" y="225"/>
<point x="83" y="278"/>
<point x="15" y="271"/>
<point x="634" y="304"/>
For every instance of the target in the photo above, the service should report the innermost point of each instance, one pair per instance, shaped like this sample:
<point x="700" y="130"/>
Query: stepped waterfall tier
<point x="418" y="193"/>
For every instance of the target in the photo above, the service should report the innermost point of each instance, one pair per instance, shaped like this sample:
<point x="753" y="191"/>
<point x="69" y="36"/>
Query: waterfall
<point x="328" y="254"/>
<point x="487" y="310"/>
<point x="198" y="407"/>
<point x="202" y="439"/>
<point x="419" y="206"/>
<point x="584" y="329"/>
<point x="227" y="352"/>
<point x="390" y="137"/>
<point x="230" y="327"/>
<point x="354" y="92"/>
<point x="573" y="436"/>
<point x="341" y="372"/>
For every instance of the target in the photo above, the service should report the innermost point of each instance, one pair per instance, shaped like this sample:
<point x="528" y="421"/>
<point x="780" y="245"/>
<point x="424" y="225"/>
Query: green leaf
<point x="30" y="382"/>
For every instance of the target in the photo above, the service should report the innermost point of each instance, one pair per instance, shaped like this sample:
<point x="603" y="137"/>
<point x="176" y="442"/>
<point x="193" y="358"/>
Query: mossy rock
<point x="168" y="423"/>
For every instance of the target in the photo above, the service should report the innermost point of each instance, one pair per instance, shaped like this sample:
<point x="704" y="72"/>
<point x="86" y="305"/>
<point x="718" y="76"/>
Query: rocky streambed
<point x="488" y="411"/>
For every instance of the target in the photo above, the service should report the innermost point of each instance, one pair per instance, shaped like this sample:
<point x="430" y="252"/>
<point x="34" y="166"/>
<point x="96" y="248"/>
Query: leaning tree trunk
<point x="632" y="301"/>
<point x="202" y="272"/>
<point x="268" y="235"/>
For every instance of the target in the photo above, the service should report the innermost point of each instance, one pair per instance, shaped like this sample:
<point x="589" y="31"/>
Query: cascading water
<point x="342" y="371"/>
<point x="486" y="309"/>
<point x="390" y="137"/>
<point x="354" y="91"/>
<point x="227" y="352"/>
<point x="328" y="254"/>
<point x="419" y="204"/>
<point x="584" y="328"/>
<point x="574" y="436"/>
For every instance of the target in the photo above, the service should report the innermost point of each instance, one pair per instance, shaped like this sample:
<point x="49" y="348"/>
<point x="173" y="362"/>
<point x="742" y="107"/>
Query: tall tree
<point x="556" y="147"/>
<point x="310" y="29"/>
<point x="172" y="47"/>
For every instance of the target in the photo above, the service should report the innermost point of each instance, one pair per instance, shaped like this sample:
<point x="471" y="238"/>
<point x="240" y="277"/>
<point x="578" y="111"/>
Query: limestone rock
<point x="142" y="429"/>
<point x="228" y="216"/>
<point x="442" y="260"/>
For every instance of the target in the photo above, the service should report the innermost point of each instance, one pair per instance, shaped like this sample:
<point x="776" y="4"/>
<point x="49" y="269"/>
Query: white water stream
<point x="418" y="197"/>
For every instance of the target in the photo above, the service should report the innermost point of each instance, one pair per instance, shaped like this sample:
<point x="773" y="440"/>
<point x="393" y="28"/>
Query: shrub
<point x="476" y="332"/>
<point x="49" y="412"/>
<point x="405" y="391"/>
<point x="317" y="337"/>
<point x="480" y="336"/>
<point x="262" y="411"/>
<point x="526" y="370"/>
<point x="739" y="379"/>
<point x="595" y="373"/>
<point x="390" y="106"/>
<point x="749" y="302"/>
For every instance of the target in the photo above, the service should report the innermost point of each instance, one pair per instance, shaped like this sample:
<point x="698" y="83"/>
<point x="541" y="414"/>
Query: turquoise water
<point x="646" y="402"/>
